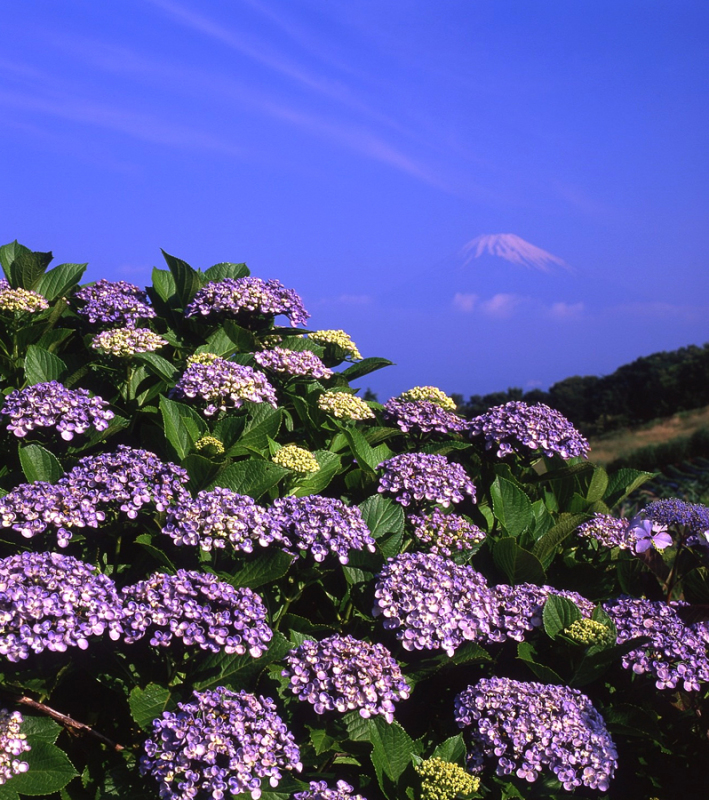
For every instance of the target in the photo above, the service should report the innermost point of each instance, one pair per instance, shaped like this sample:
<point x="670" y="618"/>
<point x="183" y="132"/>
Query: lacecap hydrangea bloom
<point x="442" y="780"/>
<point x="610" y="531"/>
<point x="300" y="363"/>
<point x="20" y="300"/>
<point x="296" y="459"/>
<point x="675" y="513"/>
<point x="531" y="727"/>
<point x="223" y="385"/>
<point x="13" y="743"/>
<point x="126" y="342"/>
<point x="413" y="477"/>
<point x="52" y="405"/>
<point x="319" y="790"/>
<point x="428" y="394"/>
<point x="221" y="743"/>
<point x="516" y="427"/>
<point x="233" y="297"/>
<point x="52" y="602"/>
<point x="344" y="406"/>
<point x="342" y="674"/>
<point x="319" y="526"/>
<point x="200" y="610"/>
<point x="338" y="338"/>
<point x="446" y="533"/>
<point x="115" y="303"/>
<point x="422" y="416"/>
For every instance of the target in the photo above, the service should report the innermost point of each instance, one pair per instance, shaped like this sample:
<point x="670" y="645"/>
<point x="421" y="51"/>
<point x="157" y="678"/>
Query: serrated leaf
<point x="49" y="771"/>
<point x="187" y="279"/>
<point x="252" y="477"/>
<point x="330" y="465"/>
<point x="243" y="340"/>
<point x="597" y="488"/>
<point x="623" y="483"/>
<point x="226" y="269"/>
<point x="264" y="422"/>
<point x="158" y="365"/>
<point x="23" y="267"/>
<point x="518" y="564"/>
<point x="41" y="729"/>
<point x="218" y="343"/>
<point x="452" y="750"/>
<point x="58" y="281"/>
<point x="545" y="547"/>
<point x="382" y="515"/>
<point x="597" y="660"/>
<point x="148" y="704"/>
<point x="179" y="434"/>
<point x="393" y="748"/>
<point x="559" y="613"/>
<point x="362" y="450"/>
<point x="42" y="366"/>
<point x="527" y="653"/>
<point x="235" y="671"/>
<point x="511" y="506"/>
<point x="365" y="367"/>
<point x="164" y="284"/>
<point x="269" y="566"/>
<point x="146" y="542"/>
<point x="39" y="464"/>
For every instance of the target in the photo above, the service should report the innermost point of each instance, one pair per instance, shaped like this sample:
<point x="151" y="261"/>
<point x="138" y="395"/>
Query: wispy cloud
<point x="465" y="302"/>
<point x="502" y="306"/>
<point x="564" y="311"/>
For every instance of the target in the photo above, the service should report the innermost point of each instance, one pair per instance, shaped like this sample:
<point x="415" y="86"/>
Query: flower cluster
<point x="442" y="780"/>
<point x="341" y="673"/>
<point x="216" y="517"/>
<point x="434" y="603"/>
<point x="126" y="342"/>
<point x="51" y="602"/>
<point x="532" y="726"/>
<point x="224" y="384"/>
<point x="610" y="531"/>
<point x="428" y="394"/>
<point x="210" y="446"/>
<point x="303" y="363"/>
<point x="344" y="406"/>
<point x="338" y="338"/>
<point x="694" y="517"/>
<point x="446" y="532"/>
<point x="320" y="526"/>
<point x="20" y="300"/>
<point x="319" y="790"/>
<point x="234" y="296"/>
<point x="516" y="427"/>
<point x="125" y="480"/>
<point x="422" y="416"/>
<point x="675" y="654"/>
<point x="589" y="632"/>
<point x="297" y="459"/>
<point x="221" y="743"/>
<point x="116" y="303"/>
<point x="420" y="476"/>
<point x="48" y="405"/>
<point x="199" y="609"/>
<point x="13" y="743"/>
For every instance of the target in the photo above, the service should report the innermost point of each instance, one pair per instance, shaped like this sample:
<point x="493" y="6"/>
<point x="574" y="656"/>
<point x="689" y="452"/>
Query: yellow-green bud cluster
<point x="202" y="358"/>
<point x="210" y="445"/>
<point x="124" y="342"/>
<point x="590" y="632"/>
<point x="17" y="300"/>
<point x="297" y="459"/>
<point x="430" y="393"/>
<point x="344" y="406"/>
<point x="340" y="338"/>
<point x="442" y="780"/>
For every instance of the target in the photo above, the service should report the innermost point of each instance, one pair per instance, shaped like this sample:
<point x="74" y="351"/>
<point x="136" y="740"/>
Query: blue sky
<point x="351" y="150"/>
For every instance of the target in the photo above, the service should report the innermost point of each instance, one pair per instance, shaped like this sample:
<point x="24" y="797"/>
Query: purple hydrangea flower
<point x="303" y="363"/>
<point x="115" y="303"/>
<point x="422" y="416"/>
<point x="223" y="385"/>
<point x="341" y="673"/>
<point x="13" y="743"/>
<point x="675" y="653"/>
<point x="434" y="603"/>
<point x="220" y="744"/>
<point x="51" y="602"/>
<point x="445" y="533"/>
<point x="646" y="536"/>
<point x="530" y="727"/>
<point x="199" y="609"/>
<point x="608" y="530"/>
<point x="516" y="427"/>
<point x="232" y="297"/>
<point x="49" y="405"/>
<point x="218" y="516"/>
<point x="320" y="526"/>
<point x="319" y="790"/>
<point x="692" y="516"/>
<point x="419" y="476"/>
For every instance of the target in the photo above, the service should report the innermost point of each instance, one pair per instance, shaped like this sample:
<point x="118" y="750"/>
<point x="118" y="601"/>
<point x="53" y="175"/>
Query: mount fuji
<point x="511" y="248"/>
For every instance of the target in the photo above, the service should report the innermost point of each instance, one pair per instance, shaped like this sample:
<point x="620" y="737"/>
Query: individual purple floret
<point x="233" y="297"/>
<point x="320" y="526"/>
<point x="694" y="517"/>
<point x="222" y="743"/>
<point x="675" y="654"/>
<point x="319" y="790"/>
<point x="199" y="609"/>
<point x="49" y="405"/>
<point x="303" y="363"/>
<point x="419" y="476"/>
<point x="51" y="602"/>
<point x="115" y="303"/>
<point x="13" y="743"/>
<point x="446" y="533"/>
<point x="516" y="427"/>
<point x="223" y="385"/>
<point x="434" y="603"/>
<point x="422" y="416"/>
<point x="610" y="531"/>
<point x="342" y="674"/>
<point x="646" y="535"/>
<point x="218" y="516"/>
<point x="530" y="727"/>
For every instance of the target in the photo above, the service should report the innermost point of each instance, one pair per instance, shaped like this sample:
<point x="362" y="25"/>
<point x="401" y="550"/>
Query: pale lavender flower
<point x="422" y="416"/>
<point x="446" y="533"/>
<point x="20" y="301"/>
<point x="302" y="363"/>
<point x="319" y="790"/>
<point x="610" y="531"/>
<point x="646" y="536"/>
<point x="115" y="303"/>
<point x="420" y="476"/>
<point x="13" y="743"/>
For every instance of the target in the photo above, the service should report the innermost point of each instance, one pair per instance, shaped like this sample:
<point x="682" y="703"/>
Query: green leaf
<point x="545" y="547"/>
<point x="511" y="506"/>
<point x="393" y="747"/>
<point x="518" y="564"/>
<point x="8" y="793"/>
<point x="148" y="704"/>
<point x="41" y="729"/>
<point x="187" y="280"/>
<point x="315" y="482"/>
<point x="452" y="750"/>
<point x="49" y="771"/>
<point x="42" y="366"/>
<point x="202" y="471"/>
<point x="623" y="483"/>
<point x="559" y="614"/>
<point x="180" y="423"/>
<point x="39" y="464"/>
<point x="263" y="422"/>
<point x="158" y="365"/>
<point x="527" y="653"/>
<point x="320" y="740"/>
<point x="237" y="672"/>
<point x="469" y="652"/>
<point x="164" y="284"/>
<point x="269" y="566"/>
<point x="226" y="270"/>
<point x="382" y="515"/>
<point x="250" y="477"/>
<point x="58" y="281"/>
<point x="243" y="340"/>
<point x="218" y="343"/>
<point x="145" y="540"/>
<point x="362" y="450"/>
<point x="597" y="660"/>
<point x="599" y="483"/>
<point x="364" y="367"/>
<point x="23" y="267"/>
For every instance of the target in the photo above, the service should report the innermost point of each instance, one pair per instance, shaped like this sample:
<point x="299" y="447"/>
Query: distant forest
<point x="657" y="385"/>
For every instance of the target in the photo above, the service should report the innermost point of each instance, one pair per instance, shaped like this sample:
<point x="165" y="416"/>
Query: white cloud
<point x="502" y="306"/>
<point x="465" y="302"/>
<point x="563" y="310"/>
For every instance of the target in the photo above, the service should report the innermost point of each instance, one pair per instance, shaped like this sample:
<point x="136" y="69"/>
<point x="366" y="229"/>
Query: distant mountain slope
<point x="512" y="248"/>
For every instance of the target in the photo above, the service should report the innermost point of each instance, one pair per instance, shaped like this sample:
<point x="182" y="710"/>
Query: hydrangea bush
<point x="225" y="575"/>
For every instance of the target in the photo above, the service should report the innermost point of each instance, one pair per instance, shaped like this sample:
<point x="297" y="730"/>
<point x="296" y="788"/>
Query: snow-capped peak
<point x="514" y="249"/>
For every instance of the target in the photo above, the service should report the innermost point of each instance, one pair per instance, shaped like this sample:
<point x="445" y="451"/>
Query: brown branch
<point x="68" y="721"/>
